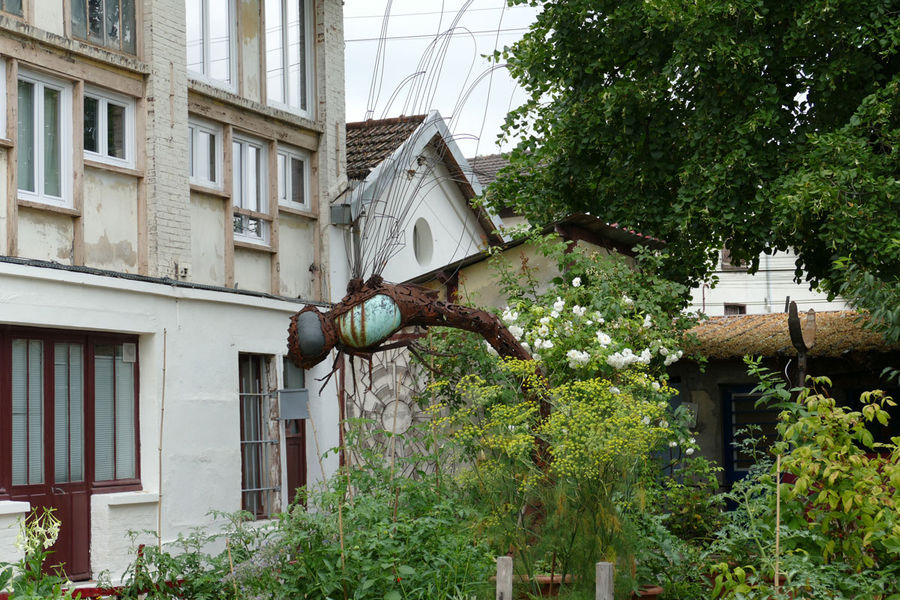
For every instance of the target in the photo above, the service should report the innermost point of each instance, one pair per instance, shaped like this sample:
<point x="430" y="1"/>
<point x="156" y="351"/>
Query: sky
<point x="453" y="77"/>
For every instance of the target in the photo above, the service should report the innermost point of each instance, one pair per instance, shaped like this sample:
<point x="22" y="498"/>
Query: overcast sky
<point x="450" y="71"/>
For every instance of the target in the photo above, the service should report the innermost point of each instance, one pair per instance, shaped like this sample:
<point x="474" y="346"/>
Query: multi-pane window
<point x="205" y="154"/>
<point x="11" y="6"/>
<point x="260" y="464"/>
<point x="45" y="139"/>
<point x="249" y="189"/>
<point x="288" y="50"/>
<point x="58" y="385"/>
<point x="109" y="128"/>
<point x="209" y="39"/>
<point x="293" y="178"/>
<point x="107" y="23"/>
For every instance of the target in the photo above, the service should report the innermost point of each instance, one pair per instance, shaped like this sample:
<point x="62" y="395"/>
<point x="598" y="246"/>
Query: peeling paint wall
<point x="48" y="15"/>
<point x="208" y="239"/>
<point x="296" y="238"/>
<point x="110" y="221"/>
<point x="250" y="11"/>
<point x="252" y="270"/>
<point x="46" y="235"/>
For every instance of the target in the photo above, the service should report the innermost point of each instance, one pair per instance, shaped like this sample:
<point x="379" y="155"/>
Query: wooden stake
<point x="777" y="518"/>
<point x="231" y="564"/>
<point x="162" y="414"/>
<point x="504" y="577"/>
<point x="605" y="589"/>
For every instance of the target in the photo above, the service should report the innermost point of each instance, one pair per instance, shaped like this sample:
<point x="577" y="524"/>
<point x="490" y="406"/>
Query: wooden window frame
<point x="119" y="49"/>
<point x="89" y="341"/>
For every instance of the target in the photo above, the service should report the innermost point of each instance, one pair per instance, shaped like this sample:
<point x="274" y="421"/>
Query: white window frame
<point x="41" y="81"/>
<point x="240" y="163"/>
<point x="287" y="185"/>
<point x="105" y="98"/>
<point x="195" y="127"/>
<point x="308" y="58"/>
<point x="3" y="93"/>
<point x="231" y="83"/>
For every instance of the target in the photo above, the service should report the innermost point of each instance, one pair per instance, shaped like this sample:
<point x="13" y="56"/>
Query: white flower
<point x="692" y="440"/>
<point x="554" y="313"/>
<point x="526" y="346"/>
<point x="598" y="317"/>
<point x="516" y="331"/>
<point x="655" y="386"/>
<point x="645" y="356"/>
<point x="509" y="316"/>
<point x="646" y="420"/>
<point x="604" y="339"/>
<point x="544" y="320"/>
<point x="672" y="444"/>
<point x="536" y="356"/>
<point x="663" y="351"/>
<point x="577" y="358"/>
<point x="689" y="451"/>
<point x="559" y="304"/>
<point x="576" y="282"/>
<point x="663" y="423"/>
<point x="589" y="322"/>
<point x="546" y="344"/>
<point x="616" y="391"/>
<point x="543" y="330"/>
<point x="648" y="322"/>
<point x="578" y="310"/>
<point x="491" y="350"/>
<point x="680" y="353"/>
<point x="628" y="301"/>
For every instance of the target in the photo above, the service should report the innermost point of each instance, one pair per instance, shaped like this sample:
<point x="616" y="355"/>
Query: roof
<point x="370" y="142"/>
<point x="486" y="167"/>
<point x="837" y="333"/>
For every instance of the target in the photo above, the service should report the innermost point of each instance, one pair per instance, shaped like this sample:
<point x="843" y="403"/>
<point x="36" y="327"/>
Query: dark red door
<point x="48" y="458"/>
<point x="295" y="451"/>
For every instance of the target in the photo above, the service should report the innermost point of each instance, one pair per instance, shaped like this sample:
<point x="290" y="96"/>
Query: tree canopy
<point x="760" y="125"/>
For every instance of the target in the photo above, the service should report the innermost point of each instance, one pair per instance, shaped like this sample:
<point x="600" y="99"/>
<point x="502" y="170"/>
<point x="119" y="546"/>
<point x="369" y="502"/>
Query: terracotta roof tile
<point x="486" y="167"/>
<point x="734" y="336"/>
<point x="370" y="142"/>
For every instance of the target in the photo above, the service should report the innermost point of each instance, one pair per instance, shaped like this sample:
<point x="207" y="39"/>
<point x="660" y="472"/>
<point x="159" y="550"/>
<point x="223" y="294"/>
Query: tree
<point x="760" y="125"/>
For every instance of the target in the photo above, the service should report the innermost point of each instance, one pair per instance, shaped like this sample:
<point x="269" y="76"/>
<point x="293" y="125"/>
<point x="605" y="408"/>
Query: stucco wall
<point x="46" y="235"/>
<point x="110" y="221"/>
<point x="48" y="15"/>
<point x="208" y="239"/>
<point x="297" y="241"/>
<point x="200" y="334"/>
<point x="252" y="270"/>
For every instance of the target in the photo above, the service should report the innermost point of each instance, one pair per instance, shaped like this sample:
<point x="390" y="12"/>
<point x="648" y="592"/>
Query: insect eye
<point x="310" y="333"/>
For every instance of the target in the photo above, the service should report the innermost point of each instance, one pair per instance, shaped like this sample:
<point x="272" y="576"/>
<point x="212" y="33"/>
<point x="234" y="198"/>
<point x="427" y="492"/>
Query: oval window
<point x="423" y="244"/>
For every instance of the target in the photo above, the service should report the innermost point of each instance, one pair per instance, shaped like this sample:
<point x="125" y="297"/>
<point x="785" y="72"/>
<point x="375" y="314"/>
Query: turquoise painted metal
<point x="370" y="323"/>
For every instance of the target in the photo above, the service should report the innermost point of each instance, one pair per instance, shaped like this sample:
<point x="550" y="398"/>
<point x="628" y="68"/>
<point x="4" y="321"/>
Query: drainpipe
<point x="768" y="283"/>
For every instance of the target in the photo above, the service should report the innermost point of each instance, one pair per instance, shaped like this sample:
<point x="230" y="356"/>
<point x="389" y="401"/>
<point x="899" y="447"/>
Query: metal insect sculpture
<point x="373" y="311"/>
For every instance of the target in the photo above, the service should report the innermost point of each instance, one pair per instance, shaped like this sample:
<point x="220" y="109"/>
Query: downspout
<point x="768" y="283"/>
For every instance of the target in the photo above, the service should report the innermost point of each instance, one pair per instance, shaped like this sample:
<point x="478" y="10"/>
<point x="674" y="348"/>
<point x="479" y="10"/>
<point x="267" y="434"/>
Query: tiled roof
<point x="837" y="332"/>
<point x="370" y="142"/>
<point x="486" y="167"/>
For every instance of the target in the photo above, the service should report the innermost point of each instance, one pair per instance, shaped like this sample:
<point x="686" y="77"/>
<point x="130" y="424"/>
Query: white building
<point x="163" y="164"/>
<point x="764" y="292"/>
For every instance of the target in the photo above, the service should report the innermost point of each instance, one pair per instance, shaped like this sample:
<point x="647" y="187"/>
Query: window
<point x="45" y="137"/>
<point x="735" y="309"/>
<point x="728" y="264"/>
<point x="51" y="399"/>
<point x="205" y="154"/>
<point x="109" y="128"/>
<point x="249" y="190"/>
<point x="293" y="178"/>
<point x="107" y="23"/>
<point x="209" y="39"/>
<point x="13" y="7"/>
<point x="260" y="464"/>
<point x="288" y="50"/>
